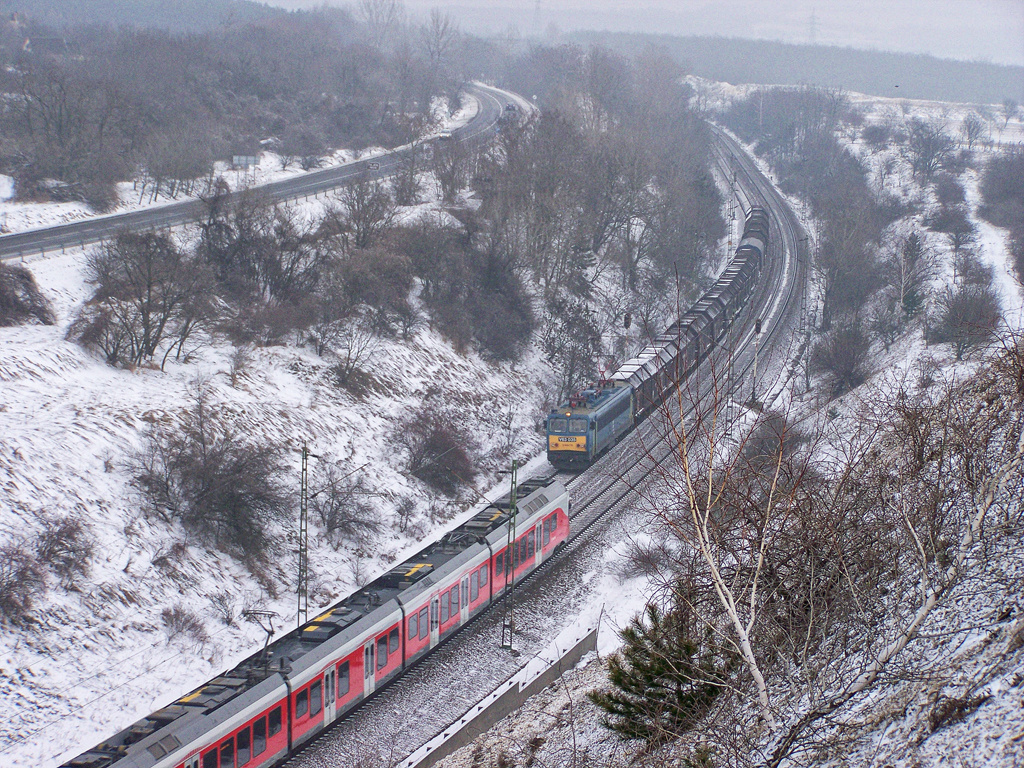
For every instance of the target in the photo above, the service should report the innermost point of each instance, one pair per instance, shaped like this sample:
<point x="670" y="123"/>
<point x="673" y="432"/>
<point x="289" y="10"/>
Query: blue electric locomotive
<point x="589" y="423"/>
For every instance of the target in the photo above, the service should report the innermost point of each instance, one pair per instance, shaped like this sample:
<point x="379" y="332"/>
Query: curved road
<point x="492" y="105"/>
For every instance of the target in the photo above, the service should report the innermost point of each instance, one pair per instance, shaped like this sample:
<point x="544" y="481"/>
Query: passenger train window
<point x="413" y="626"/>
<point x="393" y="641"/>
<point x="499" y="562"/>
<point x="210" y="759"/>
<point x="483" y="576"/>
<point x="465" y="593"/>
<point x="367" y="661"/>
<point x="259" y="737"/>
<point x="302" y="703"/>
<point x="547" y="531"/>
<point x="455" y="599"/>
<point x="424" y="626"/>
<point x="227" y="754"/>
<point x="578" y="425"/>
<point x="243" y="747"/>
<point x="275" y="721"/>
<point x="557" y="425"/>
<point x="474" y="586"/>
<point x="382" y="652"/>
<point x="316" y="698"/>
<point x="444" y="607"/>
<point x="342" y="679"/>
<point x="530" y="543"/>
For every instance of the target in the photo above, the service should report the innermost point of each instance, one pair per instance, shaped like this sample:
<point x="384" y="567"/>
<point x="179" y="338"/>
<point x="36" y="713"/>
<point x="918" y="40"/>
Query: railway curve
<point x="452" y="679"/>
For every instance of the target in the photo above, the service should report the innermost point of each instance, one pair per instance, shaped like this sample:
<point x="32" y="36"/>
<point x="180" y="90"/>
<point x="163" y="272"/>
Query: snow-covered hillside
<point x="957" y="697"/>
<point x="96" y="657"/>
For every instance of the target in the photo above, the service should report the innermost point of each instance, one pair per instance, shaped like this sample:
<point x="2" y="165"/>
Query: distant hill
<point x="174" y="15"/>
<point x="879" y="73"/>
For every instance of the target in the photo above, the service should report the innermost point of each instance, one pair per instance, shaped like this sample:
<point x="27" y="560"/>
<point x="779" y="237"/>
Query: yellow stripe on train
<point x="578" y="443"/>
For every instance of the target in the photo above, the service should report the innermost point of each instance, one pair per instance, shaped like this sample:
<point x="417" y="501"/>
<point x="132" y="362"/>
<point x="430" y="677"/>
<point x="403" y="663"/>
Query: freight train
<point x="593" y="420"/>
<point x="260" y="712"/>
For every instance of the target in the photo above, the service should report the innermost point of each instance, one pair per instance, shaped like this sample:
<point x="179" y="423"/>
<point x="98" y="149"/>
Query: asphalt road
<point x="14" y="246"/>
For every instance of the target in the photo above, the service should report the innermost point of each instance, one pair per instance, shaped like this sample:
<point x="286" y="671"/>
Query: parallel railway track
<point x="601" y="494"/>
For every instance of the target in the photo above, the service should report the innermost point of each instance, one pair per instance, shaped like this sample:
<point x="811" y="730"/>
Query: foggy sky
<point x="985" y="30"/>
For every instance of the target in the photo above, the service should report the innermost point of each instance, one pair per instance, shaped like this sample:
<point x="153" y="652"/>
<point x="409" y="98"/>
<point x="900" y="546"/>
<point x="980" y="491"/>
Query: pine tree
<point x="664" y="680"/>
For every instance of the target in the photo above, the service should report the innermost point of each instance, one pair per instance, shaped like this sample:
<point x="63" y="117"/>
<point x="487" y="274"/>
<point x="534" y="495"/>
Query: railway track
<point x="602" y="494"/>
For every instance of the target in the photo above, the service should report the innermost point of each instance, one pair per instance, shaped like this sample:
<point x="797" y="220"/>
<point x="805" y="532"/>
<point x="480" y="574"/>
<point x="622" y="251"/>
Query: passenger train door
<point x="435" y="624"/>
<point x="369" y="675"/>
<point x="330" y="695"/>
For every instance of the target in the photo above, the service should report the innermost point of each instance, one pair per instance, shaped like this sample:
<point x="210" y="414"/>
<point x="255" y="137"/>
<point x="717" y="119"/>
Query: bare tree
<point x="909" y="264"/>
<point x="928" y="146"/>
<point x="1009" y="110"/>
<point x="342" y="505"/>
<point x="354" y="347"/>
<point x="369" y="210"/>
<point x="450" y="165"/>
<point x="150" y="297"/>
<point x="972" y="129"/>
<point x="439" y="37"/>
<point x="382" y="19"/>
<point x="968" y="317"/>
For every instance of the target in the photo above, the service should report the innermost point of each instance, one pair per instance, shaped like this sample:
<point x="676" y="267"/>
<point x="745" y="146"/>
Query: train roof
<point x="300" y="650"/>
<point x="592" y="400"/>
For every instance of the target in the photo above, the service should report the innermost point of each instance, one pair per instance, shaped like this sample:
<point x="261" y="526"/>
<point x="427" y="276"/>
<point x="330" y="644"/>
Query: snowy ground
<point x="99" y="656"/>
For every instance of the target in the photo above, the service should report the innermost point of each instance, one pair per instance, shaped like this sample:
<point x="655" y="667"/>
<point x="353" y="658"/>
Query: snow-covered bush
<point x="22" y="579"/>
<point x="20" y="298"/>
<point x="220" y="485"/>
<point x="65" y="547"/>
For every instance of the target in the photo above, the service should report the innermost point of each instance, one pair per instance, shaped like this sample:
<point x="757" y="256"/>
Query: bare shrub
<point x="178" y="621"/>
<point x="968" y="317"/>
<point x="225" y="488"/>
<point x="876" y="135"/>
<point x="341" y="504"/>
<point x="354" y="347"/>
<point x="150" y="298"/>
<point x="955" y="224"/>
<point x="381" y="279"/>
<point x="21" y="581"/>
<point x="842" y="355"/>
<point x="65" y="546"/>
<point x="224" y="606"/>
<point x="240" y="360"/>
<point x="20" y="298"/>
<point x="438" y="450"/>
<point x="928" y="146"/>
<point x="369" y="211"/>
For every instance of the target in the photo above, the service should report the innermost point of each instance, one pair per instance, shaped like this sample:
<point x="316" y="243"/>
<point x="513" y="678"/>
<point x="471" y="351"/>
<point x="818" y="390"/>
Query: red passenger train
<point x="259" y="712"/>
